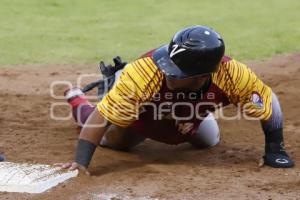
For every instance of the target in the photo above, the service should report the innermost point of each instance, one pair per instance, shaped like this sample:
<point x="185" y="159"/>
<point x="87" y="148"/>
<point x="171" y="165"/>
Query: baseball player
<point x="168" y="95"/>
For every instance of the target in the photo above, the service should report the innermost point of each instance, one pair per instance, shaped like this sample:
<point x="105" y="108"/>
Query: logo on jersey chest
<point x="184" y="127"/>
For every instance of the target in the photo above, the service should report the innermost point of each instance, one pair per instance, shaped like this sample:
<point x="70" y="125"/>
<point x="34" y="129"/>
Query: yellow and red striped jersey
<point x="141" y="80"/>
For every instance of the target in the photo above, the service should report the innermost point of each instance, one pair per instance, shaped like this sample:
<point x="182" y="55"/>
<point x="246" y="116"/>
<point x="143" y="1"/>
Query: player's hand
<point x="73" y="166"/>
<point x="276" y="156"/>
<point x="278" y="160"/>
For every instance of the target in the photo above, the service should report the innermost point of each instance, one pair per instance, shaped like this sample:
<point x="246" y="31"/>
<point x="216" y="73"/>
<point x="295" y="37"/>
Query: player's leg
<point x="115" y="137"/>
<point x="208" y="133"/>
<point x="81" y="107"/>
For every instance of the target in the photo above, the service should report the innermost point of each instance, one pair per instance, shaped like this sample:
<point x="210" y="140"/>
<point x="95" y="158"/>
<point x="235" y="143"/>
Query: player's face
<point x="188" y="84"/>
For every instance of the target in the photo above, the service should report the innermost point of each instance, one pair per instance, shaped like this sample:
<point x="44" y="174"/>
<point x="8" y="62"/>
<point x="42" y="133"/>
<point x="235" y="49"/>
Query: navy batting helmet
<point x="196" y="50"/>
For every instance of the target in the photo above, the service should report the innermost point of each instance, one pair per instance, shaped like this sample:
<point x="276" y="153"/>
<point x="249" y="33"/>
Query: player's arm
<point x="257" y="100"/>
<point x="275" y="154"/>
<point x="119" y="107"/>
<point x="89" y="138"/>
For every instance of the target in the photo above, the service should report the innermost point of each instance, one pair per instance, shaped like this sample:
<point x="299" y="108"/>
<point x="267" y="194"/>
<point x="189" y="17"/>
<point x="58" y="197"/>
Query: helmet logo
<point x="175" y="50"/>
<point x="206" y="32"/>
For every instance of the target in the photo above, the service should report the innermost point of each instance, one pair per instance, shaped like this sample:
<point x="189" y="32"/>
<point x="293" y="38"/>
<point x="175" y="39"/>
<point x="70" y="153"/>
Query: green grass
<point x="77" y="31"/>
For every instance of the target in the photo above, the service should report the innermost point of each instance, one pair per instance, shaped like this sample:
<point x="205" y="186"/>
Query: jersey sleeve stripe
<point x="140" y="69"/>
<point x="129" y="89"/>
<point x="150" y="63"/>
<point x="136" y="84"/>
<point x="239" y="75"/>
<point x="124" y="90"/>
<point x="152" y="83"/>
<point x="127" y="97"/>
<point x="245" y="86"/>
<point x="122" y="108"/>
<point x="106" y="114"/>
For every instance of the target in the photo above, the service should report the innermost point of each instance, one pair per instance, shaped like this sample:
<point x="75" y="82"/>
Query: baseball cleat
<point x="75" y="97"/>
<point x="72" y="93"/>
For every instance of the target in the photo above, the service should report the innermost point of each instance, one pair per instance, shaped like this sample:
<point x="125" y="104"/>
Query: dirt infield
<point x="151" y="170"/>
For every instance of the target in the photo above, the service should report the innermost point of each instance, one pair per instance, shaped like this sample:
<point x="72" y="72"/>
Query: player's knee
<point x="208" y="133"/>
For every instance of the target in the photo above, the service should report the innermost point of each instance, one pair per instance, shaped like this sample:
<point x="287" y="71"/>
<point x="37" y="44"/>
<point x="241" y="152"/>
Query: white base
<point x="31" y="178"/>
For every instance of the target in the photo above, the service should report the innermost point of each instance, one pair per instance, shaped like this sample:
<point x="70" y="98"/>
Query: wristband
<point x="274" y="136"/>
<point x="84" y="152"/>
<point x="274" y="142"/>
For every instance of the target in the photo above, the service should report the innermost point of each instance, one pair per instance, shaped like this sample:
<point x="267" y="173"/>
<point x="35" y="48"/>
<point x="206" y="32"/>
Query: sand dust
<point x="152" y="170"/>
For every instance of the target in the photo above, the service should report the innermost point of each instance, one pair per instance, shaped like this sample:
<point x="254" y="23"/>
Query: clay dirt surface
<point x="152" y="170"/>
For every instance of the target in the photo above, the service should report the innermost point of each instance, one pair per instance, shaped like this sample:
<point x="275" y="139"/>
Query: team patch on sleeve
<point x="257" y="100"/>
<point x="244" y="89"/>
